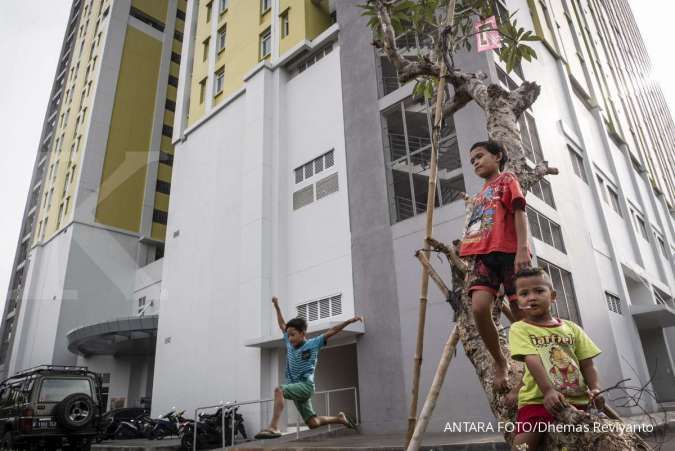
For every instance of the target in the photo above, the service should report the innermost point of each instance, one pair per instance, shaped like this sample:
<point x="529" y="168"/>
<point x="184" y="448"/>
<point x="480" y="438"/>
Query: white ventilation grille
<point x="303" y="197"/>
<point x="326" y="186"/>
<point x="613" y="303"/>
<point x="321" y="309"/>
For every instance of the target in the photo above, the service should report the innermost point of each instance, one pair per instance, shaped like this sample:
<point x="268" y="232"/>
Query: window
<point x="530" y="138"/>
<point x="601" y="186"/>
<point x="578" y="164"/>
<point x="165" y="158"/>
<point x="662" y="298"/>
<point x="170" y="105"/>
<point x="542" y="189"/>
<point x="202" y="90"/>
<point x="284" y="24"/>
<point x="178" y="36"/>
<point x="141" y="304"/>
<point x="175" y="57"/>
<point x="167" y="130"/>
<point x="407" y="148"/>
<point x="173" y="81"/>
<point x="209" y="7"/>
<point x="140" y="15"/>
<point x="640" y="224"/>
<point x="180" y="14"/>
<point x="205" y="52"/>
<point x="613" y="303"/>
<point x="163" y="187"/>
<point x="222" y="5"/>
<point x="566" y="304"/>
<point x="222" y="34"/>
<point x="307" y="170"/>
<point x="313" y="58"/>
<point x="265" y="43"/>
<point x="545" y="230"/>
<point x="265" y="5"/>
<point x="160" y="216"/>
<point x="220" y="78"/>
<point x="59" y="217"/>
<point x="662" y="244"/>
<point x="614" y="200"/>
<point x="54" y="390"/>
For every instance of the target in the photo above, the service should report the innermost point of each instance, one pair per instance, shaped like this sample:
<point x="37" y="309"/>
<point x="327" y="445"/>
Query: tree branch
<point x="406" y="69"/>
<point x="524" y="96"/>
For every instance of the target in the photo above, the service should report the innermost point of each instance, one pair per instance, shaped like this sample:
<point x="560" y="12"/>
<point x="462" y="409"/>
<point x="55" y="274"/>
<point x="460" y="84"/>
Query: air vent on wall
<point x="321" y="309"/>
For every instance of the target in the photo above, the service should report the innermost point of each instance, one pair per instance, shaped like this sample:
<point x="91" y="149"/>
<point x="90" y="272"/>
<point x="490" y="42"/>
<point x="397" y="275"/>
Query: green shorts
<point x="301" y="395"/>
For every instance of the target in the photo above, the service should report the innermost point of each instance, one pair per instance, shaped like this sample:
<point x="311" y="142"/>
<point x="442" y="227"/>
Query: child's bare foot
<point x="501" y="377"/>
<point x="346" y="421"/>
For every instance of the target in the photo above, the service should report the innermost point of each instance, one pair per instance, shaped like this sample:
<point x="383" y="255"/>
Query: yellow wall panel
<point x="164" y="173"/>
<point x="165" y="143"/>
<point x="317" y="18"/>
<point x="168" y="117"/>
<point x="296" y="24"/>
<point x="158" y="231"/>
<point x="154" y="8"/>
<point x="123" y="179"/>
<point x="161" y="201"/>
<point x="177" y="46"/>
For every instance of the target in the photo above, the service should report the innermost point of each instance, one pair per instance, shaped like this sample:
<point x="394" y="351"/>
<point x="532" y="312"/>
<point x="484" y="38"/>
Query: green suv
<point x="50" y="407"/>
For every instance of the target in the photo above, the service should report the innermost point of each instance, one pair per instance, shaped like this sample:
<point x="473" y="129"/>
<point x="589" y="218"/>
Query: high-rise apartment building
<point x="301" y="170"/>
<point x="96" y="215"/>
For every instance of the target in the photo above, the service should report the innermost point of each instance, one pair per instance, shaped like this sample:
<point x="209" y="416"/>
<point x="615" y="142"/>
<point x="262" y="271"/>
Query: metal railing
<point x="231" y="405"/>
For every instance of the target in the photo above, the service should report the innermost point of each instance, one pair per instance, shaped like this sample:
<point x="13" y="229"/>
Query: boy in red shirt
<point x="496" y="235"/>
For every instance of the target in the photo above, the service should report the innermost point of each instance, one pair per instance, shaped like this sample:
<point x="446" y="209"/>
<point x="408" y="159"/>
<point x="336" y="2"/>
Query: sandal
<point x="266" y="434"/>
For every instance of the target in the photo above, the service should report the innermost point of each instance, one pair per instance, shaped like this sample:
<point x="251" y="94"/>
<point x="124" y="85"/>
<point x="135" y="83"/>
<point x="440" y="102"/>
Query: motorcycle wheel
<point x="186" y="442"/>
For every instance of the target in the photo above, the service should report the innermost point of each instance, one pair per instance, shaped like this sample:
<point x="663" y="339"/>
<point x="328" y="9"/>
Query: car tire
<point x="75" y="412"/>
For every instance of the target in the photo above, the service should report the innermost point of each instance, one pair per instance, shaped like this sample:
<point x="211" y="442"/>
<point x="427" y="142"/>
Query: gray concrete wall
<point x="379" y="351"/>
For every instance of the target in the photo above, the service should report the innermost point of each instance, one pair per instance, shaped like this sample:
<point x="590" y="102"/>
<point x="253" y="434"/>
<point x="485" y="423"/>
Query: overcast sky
<point x="30" y="40"/>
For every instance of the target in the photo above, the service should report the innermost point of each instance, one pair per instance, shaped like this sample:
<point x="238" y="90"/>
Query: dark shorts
<point x="529" y="417"/>
<point x="490" y="271"/>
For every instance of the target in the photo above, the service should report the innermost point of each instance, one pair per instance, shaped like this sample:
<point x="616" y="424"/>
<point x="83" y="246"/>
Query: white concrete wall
<point x="239" y="240"/>
<point x="36" y="326"/>
<point x="82" y="276"/>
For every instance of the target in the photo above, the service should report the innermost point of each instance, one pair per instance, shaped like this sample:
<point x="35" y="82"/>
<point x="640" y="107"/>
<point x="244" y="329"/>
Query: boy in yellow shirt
<point x="558" y="356"/>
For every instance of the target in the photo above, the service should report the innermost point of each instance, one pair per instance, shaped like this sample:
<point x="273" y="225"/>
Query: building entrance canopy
<point x="118" y="337"/>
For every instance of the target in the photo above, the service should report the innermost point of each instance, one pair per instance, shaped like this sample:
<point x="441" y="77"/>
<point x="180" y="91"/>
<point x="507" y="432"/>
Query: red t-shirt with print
<point x="492" y="227"/>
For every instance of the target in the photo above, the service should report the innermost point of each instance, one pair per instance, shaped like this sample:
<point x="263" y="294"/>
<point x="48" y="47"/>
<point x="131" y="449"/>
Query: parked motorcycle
<point x="138" y="427"/>
<point x="210" y="429"/>
<point x="167" y="425"/>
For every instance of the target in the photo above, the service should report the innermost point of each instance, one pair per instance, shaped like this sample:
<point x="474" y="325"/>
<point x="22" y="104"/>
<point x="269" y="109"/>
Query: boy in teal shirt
<point x="558" y="358"/>
<point x="301" y="358"/>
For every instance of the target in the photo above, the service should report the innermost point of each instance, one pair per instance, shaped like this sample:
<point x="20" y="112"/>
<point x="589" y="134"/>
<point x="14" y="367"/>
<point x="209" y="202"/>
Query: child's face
<point x="295" y="336"/>
<point x="485" y="164"/>
<point x="535" y="296"/>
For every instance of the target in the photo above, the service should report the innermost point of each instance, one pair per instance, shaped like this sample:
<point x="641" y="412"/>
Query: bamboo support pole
<point x="431" y="198"/>
<point x="434" y="391"/>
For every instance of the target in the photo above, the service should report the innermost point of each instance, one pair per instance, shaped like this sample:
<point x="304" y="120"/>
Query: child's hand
<point x="596" y="398"/>
<point x="511" y="398"/>
<point x="554" y="401"/>
<point x="522" y="260"/>
<point x="275" y="301"/>
<point x="357" y="319"/>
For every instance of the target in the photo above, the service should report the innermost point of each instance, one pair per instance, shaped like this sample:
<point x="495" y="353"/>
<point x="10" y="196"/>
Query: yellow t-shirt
<point x="560" y="348"/>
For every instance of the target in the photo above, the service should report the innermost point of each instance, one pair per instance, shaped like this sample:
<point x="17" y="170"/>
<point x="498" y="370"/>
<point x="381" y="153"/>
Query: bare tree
<point x="447" y="27"/>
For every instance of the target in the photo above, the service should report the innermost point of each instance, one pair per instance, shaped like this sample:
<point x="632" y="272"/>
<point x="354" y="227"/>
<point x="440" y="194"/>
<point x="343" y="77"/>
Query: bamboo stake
<point x="431" y="198"/>
<point x="434" y="391"/>
<point x="433" y="274"/>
